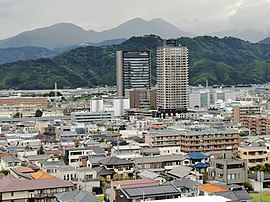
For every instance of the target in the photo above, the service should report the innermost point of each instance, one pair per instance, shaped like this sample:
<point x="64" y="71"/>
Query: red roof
<point x="24" y="169"/>
<point x="8" y="184"/>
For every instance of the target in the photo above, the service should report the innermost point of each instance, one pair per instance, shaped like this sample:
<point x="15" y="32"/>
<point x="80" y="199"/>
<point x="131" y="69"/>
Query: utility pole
<point x="260" y="178"/>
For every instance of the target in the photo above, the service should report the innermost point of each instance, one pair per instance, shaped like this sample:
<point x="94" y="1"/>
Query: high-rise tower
<point x="133" y="71"/>
<point x="172" y="76"/>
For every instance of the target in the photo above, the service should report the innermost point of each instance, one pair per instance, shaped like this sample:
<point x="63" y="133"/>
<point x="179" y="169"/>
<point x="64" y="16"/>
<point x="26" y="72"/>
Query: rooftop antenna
<point x="55" y="93"/>
<point x="206" y="84"/>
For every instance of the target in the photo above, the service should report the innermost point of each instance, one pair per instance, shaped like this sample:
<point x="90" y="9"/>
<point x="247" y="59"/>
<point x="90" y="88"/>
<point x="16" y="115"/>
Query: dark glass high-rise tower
<point x="133" y="71"/>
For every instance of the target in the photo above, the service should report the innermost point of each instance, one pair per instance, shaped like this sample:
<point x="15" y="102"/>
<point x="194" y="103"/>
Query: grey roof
<point x="27" y="176"/>
<point x="184" y="182"/>
<point x="103" y="171"/>
<point x="113" y="160"/>
<point x="11" y="159"/>
<point x="38" y="157"/>
<point x="180" y="171"/>
<point x="151" y="151"/>
<point x="162" y="158"/>
<point x="76" y="196"/>
<point x="158" y="190"/>
<point x="235" y="196"/>
<point x="52" y="163"/>
<point x="148" y="174"/>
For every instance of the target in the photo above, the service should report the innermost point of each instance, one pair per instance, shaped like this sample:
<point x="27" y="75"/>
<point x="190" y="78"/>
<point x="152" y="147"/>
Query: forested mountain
<point x="221" y="61"/>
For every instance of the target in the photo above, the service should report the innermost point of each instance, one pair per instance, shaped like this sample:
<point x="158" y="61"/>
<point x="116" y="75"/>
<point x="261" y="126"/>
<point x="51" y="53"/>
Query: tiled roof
<point x="212" y="188"/>
<point x="42" y="175"/>
<point x="11" y="159"/>
<point x="77" y="196"/>
<point x="180" y="171"/>
<point x="8" y="184"/>
<point x="196" y="156"/>
<point x="24" y="169"/>
<point x="114" y="161"/>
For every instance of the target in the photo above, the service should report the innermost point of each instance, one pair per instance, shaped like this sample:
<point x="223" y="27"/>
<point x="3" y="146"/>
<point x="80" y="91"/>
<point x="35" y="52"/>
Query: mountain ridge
<point x="227" y="61"/>
<point x="55" y="36"/>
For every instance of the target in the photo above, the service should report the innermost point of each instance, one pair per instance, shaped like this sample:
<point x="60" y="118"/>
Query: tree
<point x="41" y="150"/>
<point x="152" y="107"/>
<point x="17" y="115"/>
<point x="248" y="186"/>
<point x="38" y="113"/>
<point x="5" y="172"/>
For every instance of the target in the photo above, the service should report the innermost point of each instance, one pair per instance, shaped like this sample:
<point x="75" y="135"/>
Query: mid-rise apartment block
<point x="209" y="140"/>
<point x="257" y="124"/>
<point x="253" y="155"/>
<point x="172" y="76"/>
<point x="240" y="112"/>
<point x="195" y="141"/>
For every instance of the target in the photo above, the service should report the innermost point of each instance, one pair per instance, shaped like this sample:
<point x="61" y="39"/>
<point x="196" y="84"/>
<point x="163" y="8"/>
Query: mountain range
<point x="66" y="34"/>
<point x="227" y="61"/>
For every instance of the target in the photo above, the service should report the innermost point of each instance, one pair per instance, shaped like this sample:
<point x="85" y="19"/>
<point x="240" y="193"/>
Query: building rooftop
<point x="160" y="190"/>
<point x="42" y="175"/>
<point x="212" y="188"/>
<point x="77" y="196"/>
<point x="9" y="184"/>
<point x="162" y="158"/>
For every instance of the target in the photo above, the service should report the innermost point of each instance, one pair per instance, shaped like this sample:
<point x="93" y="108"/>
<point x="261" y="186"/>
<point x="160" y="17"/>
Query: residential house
<point x="72" y="156"/>
<point x="116" y="185"/>
<point x="157" y="192"/>
<point x="76" y="196"/>
<point x="228" y="170"/>
<point x="12" y="189"/>
<point x="121" y="167"/>
<point x="8" y="162"/>
<point x="188" y="188"/>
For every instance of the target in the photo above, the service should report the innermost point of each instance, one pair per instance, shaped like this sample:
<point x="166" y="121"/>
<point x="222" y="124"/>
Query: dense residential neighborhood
<point x="136" y="142"/>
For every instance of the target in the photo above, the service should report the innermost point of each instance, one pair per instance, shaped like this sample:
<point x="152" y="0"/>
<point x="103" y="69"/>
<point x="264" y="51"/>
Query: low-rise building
<point x="253" y="155"/>
<point x="228" y="170"/>
<point x="12" y="189"/>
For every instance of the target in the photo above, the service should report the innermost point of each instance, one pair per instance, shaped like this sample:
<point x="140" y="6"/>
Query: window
<point x="12" y="193"/>
<point x="219" y="166"/>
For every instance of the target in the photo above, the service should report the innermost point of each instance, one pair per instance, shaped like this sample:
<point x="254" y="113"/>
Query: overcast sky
<point x="197" y="16"/>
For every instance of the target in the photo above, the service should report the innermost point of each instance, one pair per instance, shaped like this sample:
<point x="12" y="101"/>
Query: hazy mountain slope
<point x="8" y="55"/>
<point x="67" y="34"/>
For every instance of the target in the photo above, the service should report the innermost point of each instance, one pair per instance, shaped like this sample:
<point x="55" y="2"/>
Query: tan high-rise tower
<point x="172" y="76"/>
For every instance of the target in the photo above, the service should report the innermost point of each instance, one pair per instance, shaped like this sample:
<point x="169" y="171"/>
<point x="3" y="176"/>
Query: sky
<point x="197" y="16"/>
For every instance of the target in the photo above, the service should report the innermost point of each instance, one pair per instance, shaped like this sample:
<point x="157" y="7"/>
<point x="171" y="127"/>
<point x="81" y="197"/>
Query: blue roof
<point x="197" y="156"/>
<point x="202" y="165"/>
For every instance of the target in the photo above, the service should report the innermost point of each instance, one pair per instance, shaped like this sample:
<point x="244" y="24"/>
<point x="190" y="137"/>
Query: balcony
<point x="88" y="180"/>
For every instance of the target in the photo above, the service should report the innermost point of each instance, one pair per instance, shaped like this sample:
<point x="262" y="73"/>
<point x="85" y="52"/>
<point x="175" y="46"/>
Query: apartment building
<point x="172" y="76"/>
<point x="257" y="124"/>
<point x="194" y="141"/>
<point x="253" y="155"/>
<point x="242" y="111"/>
<point x="162" y="138"/>
<point x="209" y="140"/>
